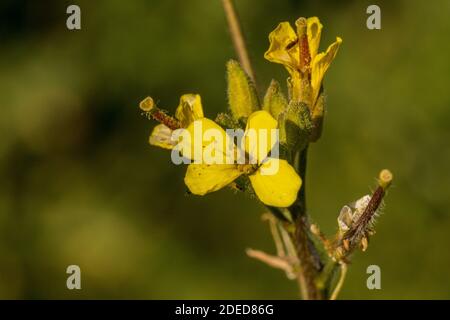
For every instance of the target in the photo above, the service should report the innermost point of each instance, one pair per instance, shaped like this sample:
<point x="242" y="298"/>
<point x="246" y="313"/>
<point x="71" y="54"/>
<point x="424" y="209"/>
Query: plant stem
<point x="340" y="282"/>
<point x="237" y="37"/>
<point x="310" y="264"/>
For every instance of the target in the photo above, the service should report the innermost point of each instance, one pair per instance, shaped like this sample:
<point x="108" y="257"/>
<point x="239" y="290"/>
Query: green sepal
<point x="243" y="184"/>
<point x="317" y="116"/>
<point x="226" y="121"/>
<point x="295" y="126"/>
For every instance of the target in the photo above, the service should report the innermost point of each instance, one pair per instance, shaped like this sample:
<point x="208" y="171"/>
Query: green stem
<point x="310" y="263"/>
<point x="340" y="283"/>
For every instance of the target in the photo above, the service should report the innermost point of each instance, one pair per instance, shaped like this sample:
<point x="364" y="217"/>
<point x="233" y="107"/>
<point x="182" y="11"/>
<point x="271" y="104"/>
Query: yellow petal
<point x="206" y="141"/>
<point x="314" y="30"/>
<point x="320" y="65"/>
<point x="203" y="178"/>
<point x="279" y="189"/>
<point x="162" y="137"/>
<point x="259" y="139"/>
<point x="189" y="109"/>
<point x="283" y="48"/>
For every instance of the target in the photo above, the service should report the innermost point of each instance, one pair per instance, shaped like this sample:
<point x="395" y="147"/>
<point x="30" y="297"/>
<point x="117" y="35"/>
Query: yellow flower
<point x="279" y="188"/>
<point x="298" y="52"/>
<point x="189" y="109"/>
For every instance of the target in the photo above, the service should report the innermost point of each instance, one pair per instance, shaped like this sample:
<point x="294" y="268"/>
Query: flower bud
<point x="242" y="96"/>
<point x="274" y="100"/>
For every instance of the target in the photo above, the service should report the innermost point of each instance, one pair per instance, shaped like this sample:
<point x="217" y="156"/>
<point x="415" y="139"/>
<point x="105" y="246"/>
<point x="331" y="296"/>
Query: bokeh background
<point x="80" y="185"/>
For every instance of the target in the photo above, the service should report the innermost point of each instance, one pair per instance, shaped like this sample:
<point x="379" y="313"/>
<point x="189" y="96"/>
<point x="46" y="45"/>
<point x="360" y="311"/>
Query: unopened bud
<point x="274" y="100"/>
<point x="242" y="96"/>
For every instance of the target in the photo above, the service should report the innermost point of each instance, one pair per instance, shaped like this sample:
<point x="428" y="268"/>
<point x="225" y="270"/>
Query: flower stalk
<point x="237" y="37"/>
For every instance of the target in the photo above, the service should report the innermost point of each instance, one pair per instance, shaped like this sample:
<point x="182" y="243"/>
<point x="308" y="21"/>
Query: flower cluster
<point x="295" y="120"/>
<point x="272" y="166"/>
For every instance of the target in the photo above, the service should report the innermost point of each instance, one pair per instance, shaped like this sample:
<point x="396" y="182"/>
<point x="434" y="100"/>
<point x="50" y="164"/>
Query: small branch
<point x="287" y="240"/>
<point x="359" y="231"/>
<point x="237" y="37"/>
<point x="340" y="283"/>
<point x="275" y="234"/>
<point x="272" y="261"/>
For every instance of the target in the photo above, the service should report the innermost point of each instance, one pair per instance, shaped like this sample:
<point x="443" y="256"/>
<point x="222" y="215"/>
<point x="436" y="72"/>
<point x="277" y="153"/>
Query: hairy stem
<point x="237" y="37"/>
<point x="310" y="263"/>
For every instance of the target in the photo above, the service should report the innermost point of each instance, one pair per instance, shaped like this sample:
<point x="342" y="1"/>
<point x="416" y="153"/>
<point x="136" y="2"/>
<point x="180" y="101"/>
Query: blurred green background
<point x="80" y="185"/>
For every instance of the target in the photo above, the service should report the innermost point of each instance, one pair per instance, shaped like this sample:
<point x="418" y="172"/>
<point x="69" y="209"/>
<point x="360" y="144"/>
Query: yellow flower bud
<point x="242" y="96"/>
